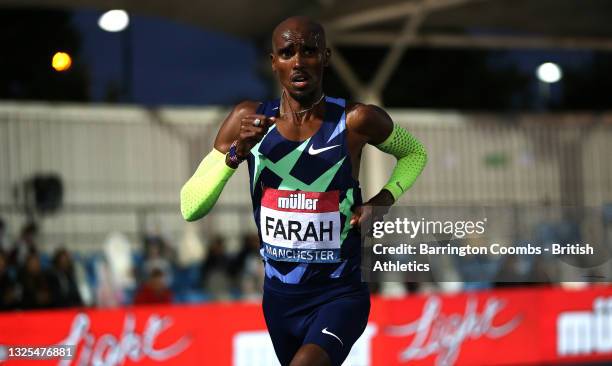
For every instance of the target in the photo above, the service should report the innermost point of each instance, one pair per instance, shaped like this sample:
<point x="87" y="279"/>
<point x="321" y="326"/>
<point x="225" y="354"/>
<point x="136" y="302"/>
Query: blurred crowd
<point x="25" y="283"/>
<point x="158" y="272"/>
<point x="33" y="279"/>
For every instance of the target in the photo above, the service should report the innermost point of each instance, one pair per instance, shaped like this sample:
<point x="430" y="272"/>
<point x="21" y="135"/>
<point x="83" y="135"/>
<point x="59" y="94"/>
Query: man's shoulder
<point x="358" y="109"/>
<point x="358" y="113"/>
<point x="369" y="121"/>
<point x="246" y="107"/>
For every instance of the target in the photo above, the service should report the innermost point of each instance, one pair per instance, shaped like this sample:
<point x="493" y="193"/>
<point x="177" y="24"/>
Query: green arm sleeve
<point x="200" y="193"/>
<point x="411" y="159"/>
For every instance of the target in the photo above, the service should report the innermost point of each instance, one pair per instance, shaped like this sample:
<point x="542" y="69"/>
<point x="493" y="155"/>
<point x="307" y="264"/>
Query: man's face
<point x="298" y="59"/>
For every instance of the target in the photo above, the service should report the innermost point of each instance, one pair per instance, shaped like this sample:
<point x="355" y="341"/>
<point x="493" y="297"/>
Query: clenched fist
<point x="253" y="127"/>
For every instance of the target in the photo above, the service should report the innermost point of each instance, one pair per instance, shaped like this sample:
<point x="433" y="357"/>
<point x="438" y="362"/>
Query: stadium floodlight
<point x="549" y="72"/>
<point x="61" y="61"/>
<point x="114" y="20"/>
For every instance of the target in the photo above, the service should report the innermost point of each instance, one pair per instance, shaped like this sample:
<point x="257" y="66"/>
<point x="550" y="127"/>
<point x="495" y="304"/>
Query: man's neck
<point x="301" y="102"/>
<point x="300" y="109"/>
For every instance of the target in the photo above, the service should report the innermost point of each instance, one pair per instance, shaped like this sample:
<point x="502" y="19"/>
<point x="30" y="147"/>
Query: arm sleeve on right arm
<point x="200" y="193"/>
<point x="411" y="159"/>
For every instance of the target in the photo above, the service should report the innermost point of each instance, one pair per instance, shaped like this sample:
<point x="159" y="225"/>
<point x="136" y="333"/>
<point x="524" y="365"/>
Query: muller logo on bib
<point x="300" y="226"/>
<point x="299" y="201"/>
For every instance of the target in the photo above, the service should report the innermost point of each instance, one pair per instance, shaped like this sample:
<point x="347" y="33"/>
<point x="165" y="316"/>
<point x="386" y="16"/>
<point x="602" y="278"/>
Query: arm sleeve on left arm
<point x="411" y="159"/>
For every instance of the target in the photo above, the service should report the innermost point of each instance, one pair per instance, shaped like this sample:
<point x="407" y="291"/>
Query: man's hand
<point x="250" y="133"/>
<point x="378" y="206"/>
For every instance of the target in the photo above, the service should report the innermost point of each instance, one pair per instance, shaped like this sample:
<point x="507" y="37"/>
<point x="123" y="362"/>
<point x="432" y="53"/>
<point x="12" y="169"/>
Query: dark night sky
<point x="527" y="61"/>
<point x="172" y="63"/>
<point x="177" y="64"/>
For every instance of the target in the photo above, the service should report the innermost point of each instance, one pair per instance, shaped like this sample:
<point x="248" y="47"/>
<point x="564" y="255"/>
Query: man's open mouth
<point x="300" y="80"/>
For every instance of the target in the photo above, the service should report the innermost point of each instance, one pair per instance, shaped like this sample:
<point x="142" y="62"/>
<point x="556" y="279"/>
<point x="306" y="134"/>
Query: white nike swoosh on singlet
<point x="325" y="331"/>
<point x="313" y="151"/>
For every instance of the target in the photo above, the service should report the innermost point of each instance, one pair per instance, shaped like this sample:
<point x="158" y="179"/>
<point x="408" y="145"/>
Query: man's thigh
<point x="338" y="324"/>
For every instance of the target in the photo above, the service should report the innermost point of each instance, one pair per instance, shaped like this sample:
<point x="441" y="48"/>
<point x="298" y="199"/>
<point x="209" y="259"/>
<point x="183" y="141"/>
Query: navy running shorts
<point x="333" y="318"/>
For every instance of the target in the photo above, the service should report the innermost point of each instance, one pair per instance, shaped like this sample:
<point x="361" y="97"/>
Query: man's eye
<point x="285" y="53"/>
<point x="309" y="51"/>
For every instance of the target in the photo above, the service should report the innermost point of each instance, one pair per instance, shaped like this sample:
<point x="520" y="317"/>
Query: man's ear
<point x="272" y="62"/>
<point x="327" y="57"/>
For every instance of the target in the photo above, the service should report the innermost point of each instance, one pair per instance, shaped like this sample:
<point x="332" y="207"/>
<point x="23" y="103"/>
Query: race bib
<point x="299" y="226"/>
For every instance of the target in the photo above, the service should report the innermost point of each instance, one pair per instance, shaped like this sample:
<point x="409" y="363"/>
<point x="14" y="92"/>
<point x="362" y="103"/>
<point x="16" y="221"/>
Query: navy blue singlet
<point x="302" y="194"/>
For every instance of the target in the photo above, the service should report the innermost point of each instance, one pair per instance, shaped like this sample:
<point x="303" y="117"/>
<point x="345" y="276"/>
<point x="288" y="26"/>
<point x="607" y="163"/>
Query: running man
<point x="303" y="152"/>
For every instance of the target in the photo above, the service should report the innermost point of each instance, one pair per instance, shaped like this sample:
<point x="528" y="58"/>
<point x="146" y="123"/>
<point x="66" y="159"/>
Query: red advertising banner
<point x="529" y="326"/>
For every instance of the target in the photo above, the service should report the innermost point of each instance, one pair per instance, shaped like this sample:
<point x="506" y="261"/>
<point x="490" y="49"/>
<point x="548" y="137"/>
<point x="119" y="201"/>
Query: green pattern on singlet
<point x="345" y="208"/>
<point x="283" y="168"/>
<point x="256" y="161"/>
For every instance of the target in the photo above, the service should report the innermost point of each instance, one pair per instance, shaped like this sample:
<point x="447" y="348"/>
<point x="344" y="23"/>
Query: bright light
<point x="61" y="61"/>
<point x="549" y="72"/>
<point x="114" y="20"/>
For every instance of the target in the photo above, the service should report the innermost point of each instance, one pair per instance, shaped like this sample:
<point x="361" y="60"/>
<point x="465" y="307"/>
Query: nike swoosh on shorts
<point x="325" y="331"/>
